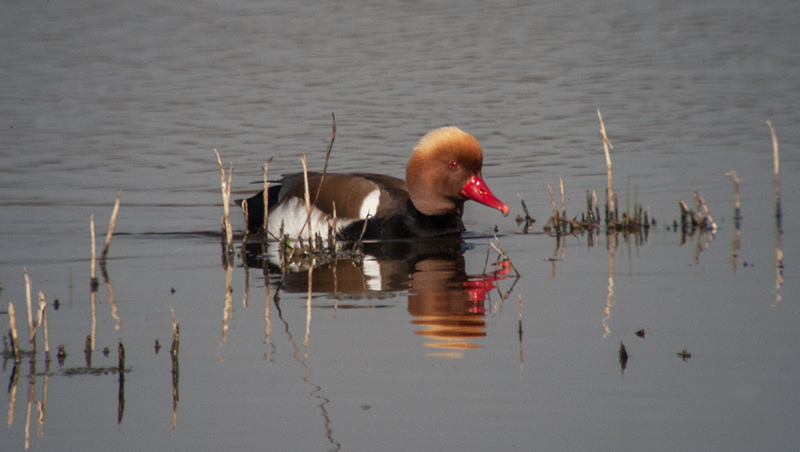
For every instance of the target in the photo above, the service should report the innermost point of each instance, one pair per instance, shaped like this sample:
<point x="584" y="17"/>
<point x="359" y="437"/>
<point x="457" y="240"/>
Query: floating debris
<point x="684" y="354"/>
<point x="62" y="355"/>
<point x="640" y="333"/>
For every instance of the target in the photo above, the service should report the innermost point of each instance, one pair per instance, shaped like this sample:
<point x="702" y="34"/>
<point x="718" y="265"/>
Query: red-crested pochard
<point x="443" y="172"/>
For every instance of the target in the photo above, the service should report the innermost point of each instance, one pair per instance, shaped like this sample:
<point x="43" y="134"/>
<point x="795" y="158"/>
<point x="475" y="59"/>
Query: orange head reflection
<point x="449" y="304"/>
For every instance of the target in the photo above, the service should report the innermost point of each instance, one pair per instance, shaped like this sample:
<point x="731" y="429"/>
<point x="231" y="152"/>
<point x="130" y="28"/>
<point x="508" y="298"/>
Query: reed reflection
<point x="778" y="216"/>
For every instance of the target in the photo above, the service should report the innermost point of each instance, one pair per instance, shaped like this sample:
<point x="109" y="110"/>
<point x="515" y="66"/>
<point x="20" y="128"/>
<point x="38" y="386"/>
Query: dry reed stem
<point x="553" y="204"/>
<point x="309" y="204"/>
<point x="46" y="334"/>
<point x="265" y="169"/>
<point x="327" y="157"/>
<point x="12" y="326"/>
<point x="226" y="198"/>
<point x="563" y="203"/>
<point x="737" y="218"/>
<point x="39" y="317"/>
<point x="774" y="149"/>
<point x="685" y="210"/>
<point x="702" y="204"/>
<point x="307" y="197"/>
<point x="31" y="329"/>
<point x="111" y="224"/>
<point x="94" y="254"/>
<point x="606" y="147"/>
<point x="246" y="212"/>
<point x="736" y="201"/>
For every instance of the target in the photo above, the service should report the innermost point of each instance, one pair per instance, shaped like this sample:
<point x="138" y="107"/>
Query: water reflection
<point x="447" y="304"/>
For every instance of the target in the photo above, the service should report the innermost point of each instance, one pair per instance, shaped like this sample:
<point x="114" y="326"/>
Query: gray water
<point x="401" y="354"/>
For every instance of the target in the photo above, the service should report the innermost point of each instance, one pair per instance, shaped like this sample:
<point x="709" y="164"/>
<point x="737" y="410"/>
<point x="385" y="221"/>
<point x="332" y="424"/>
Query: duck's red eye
<point x="453" y="164"/>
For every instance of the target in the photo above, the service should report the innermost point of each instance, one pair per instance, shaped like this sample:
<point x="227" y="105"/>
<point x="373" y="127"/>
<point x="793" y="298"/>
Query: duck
<point x="443" y="172"/>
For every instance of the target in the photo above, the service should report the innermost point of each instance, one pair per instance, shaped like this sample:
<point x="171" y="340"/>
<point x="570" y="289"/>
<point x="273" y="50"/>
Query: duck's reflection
<point x="446" y="303"/>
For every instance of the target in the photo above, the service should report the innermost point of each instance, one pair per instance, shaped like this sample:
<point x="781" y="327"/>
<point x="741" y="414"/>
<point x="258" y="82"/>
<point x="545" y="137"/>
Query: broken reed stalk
<point x="12" y="326"/>
<point x="226" y="200"/>
<point x="563" y="203"/>
<point x="111" y="224"/>
<point x="606" y="147"/>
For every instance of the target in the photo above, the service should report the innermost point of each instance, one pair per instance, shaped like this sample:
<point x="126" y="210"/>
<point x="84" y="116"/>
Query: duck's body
<point x="443" y="172"/>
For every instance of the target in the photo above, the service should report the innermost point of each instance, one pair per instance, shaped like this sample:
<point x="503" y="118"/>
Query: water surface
<point x="412" y="350"/>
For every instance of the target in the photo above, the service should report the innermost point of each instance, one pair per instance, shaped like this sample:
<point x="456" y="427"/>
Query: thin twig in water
<point x="499" y="248"/>
<point x="321" y="180"/>
<point x="327" y="157"/>
<point x="359" y="243"/>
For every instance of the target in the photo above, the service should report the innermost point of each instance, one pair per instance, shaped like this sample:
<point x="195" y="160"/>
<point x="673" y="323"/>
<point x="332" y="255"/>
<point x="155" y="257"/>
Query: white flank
<point x="370" y="204"/>
<point x="292" y="214"/>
